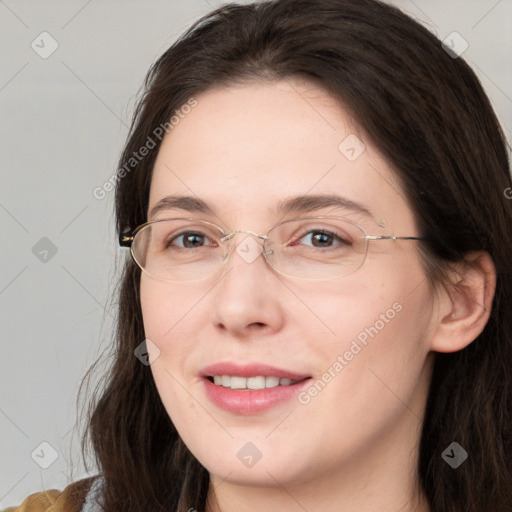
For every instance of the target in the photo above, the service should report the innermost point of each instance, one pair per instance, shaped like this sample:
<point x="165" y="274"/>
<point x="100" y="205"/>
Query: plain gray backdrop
<point x="69" y="76"/>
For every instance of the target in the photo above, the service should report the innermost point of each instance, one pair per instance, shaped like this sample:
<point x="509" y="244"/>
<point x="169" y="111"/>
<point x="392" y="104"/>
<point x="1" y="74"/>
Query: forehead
<point x="244" y="149"/>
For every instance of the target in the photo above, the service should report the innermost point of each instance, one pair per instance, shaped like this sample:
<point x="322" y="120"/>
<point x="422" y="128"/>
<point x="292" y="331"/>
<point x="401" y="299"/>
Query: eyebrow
<point x="295" y="204"/>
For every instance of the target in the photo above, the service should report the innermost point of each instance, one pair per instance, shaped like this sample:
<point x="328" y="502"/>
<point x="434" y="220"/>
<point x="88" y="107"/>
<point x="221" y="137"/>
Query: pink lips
<point x="246" y="401"/>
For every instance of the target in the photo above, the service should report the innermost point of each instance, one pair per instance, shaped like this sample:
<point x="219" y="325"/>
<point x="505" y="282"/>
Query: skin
<point x="242" y="149"/>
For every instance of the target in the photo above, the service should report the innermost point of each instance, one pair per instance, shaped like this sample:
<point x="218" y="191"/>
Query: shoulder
<point x="71" y="499"/>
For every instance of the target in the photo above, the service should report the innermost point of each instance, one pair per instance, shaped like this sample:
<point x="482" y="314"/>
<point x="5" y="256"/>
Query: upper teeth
<point x="259" y="382"/>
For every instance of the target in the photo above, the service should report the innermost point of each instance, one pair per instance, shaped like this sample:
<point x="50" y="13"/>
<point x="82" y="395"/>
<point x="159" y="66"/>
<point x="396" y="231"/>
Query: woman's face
<point x="361" y="340"/>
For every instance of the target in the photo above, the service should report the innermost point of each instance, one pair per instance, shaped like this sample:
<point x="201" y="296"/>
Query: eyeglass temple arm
<point x="125" y="240"/>
<point x="391" y="237"/>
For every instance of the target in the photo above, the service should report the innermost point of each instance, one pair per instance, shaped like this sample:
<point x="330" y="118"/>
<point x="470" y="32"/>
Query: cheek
<point x="171" y="316"/>
<point x="166" y="308"/>
<point x="381" y="343"/>
<point x="372" y="373"/>
<point x="168" y="314"/>
<point x="168" y="318"/>
<point x="155" y="301"/>
<point x="377" y="328"/>
<point x="381" y="304"/>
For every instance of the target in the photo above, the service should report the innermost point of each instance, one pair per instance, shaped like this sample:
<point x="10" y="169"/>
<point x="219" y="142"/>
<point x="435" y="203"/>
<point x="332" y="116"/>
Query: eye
<point x="190" y="240"/>
<point x="323" y="238"/>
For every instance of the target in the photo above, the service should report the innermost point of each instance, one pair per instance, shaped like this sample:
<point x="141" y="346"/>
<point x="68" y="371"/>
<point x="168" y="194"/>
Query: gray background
<point x="63" y="122"/>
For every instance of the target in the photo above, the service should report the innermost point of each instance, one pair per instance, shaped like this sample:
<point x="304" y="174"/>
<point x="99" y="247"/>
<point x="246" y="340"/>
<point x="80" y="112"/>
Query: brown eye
<point x="190" y="239"/>
<point x="323" y="238"/>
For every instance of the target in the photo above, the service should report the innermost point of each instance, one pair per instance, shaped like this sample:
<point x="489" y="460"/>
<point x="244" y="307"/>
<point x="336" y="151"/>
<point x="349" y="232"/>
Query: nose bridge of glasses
<point x="229" y="236"/>
<point x="231" y="245"/>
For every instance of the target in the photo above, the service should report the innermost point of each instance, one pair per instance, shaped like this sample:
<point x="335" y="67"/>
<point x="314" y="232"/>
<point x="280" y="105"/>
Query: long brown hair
<point x="428" y="115"/>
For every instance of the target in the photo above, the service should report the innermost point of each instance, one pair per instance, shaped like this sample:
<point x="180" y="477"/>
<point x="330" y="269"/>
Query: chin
<point x="239" y="462"/>
<point x="260" y="475"/>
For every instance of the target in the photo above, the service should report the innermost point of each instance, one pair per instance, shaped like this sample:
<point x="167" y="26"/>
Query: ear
<point x="465" y="303"/>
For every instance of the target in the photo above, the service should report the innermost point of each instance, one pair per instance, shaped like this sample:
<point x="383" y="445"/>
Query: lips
<point x="244" y="400"/>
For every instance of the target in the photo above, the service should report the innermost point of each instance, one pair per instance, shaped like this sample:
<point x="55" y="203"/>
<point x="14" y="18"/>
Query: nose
<point x="245" y="297"/>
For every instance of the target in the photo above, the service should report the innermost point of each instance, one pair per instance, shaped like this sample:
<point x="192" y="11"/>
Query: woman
<point x="319" y="294"/>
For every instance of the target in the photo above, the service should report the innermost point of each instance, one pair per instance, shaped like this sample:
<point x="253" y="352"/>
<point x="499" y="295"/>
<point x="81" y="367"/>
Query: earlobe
<point x="465" y="304"/>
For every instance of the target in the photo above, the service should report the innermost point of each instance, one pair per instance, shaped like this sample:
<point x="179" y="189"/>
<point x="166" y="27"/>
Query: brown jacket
<point x="71" y="499"/>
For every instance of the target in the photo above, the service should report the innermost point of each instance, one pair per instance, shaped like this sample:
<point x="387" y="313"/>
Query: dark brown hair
<point x="428" y="115"/>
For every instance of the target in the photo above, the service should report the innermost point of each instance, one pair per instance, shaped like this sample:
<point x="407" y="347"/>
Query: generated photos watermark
<point x="304" y="397"/>
<point x="158" y="133"/>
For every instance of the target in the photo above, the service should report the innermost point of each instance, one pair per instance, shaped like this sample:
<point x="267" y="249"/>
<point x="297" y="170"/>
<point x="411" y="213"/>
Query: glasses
<point x="308" y="248"/>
